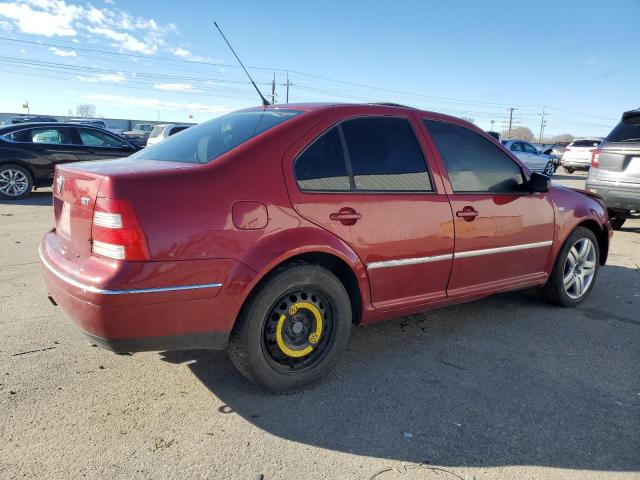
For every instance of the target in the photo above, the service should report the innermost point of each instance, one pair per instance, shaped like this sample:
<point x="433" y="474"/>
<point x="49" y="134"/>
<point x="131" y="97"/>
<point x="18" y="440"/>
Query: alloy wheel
<point x="548" y="169"/>
<point x="13" y="182"/>
<point x="579" y="268"/>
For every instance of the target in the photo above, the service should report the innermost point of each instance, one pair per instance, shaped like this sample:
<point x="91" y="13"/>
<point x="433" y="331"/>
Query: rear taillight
<point x="595" y="157"/>
<point x="116" y="232"/>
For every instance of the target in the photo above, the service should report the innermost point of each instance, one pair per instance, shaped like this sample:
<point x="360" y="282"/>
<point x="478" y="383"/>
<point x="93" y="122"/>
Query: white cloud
<point x="121" y="101"/>
<point x="48" y="18"/>
<point x="174" y="87"/>
<point x="63" y="53"/>
<point x="124" y="40"/>
<point x="103" y="77"/>
<point x="52" y="18"/>
<point x="181" y="52"/>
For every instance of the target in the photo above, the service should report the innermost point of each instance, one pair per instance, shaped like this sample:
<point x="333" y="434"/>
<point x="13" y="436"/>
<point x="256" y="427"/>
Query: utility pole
<point x="287" y="85"/>
<point x="273" y="90"/>
<point x="492" y="122"/>
<point x="543" y="123"/>
<point x="510" y="121"/>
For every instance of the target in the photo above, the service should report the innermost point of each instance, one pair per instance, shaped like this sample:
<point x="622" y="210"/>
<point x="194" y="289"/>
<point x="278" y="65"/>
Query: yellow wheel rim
<point x="313" y="338"/>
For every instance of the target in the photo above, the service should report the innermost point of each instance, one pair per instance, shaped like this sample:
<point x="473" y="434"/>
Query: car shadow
<point x="508" y="380"/>
<point x="37" y="198"/>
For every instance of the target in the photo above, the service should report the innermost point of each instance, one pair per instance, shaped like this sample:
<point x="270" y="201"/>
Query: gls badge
<point x="59" y="183"/>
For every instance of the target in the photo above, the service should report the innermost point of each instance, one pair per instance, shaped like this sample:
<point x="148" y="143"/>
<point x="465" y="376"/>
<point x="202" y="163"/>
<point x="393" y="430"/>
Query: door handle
<point x="468" y="213"/>
<point x="346" y="216"/>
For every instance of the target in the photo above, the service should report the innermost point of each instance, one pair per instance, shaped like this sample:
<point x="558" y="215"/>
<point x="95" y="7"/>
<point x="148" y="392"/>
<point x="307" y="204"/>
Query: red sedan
<point x="270" y="231"/>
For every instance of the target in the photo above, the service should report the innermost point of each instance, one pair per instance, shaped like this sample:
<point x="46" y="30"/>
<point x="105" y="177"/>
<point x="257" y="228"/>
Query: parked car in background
<point x="164" y="130"/>
<point x="139" y="134"/>
<point x="30" y="152"/>
<point x="615" y="169"/>
<point x="270" y="231"/>
<point x="530" y="156"/>
<point x="577" y="155"/>
<point x="96" y="122"/>
<point x="30" y="119"/>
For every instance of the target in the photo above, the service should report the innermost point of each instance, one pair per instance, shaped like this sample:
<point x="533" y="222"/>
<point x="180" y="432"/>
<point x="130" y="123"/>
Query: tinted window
<point x="175" y="130"/>
<point x="529" y="148"/>
<point x="322" y="165"/>
<point x="385" y="155"/>
<point x="474" y="163"/>
<point x="96" y="138"/>
<point x="585" y="143"/>
<point x="56" y="136"/>
<point x="627" y="130"/>
<point x="516" y="147"/>
<point x="207" y="141"/>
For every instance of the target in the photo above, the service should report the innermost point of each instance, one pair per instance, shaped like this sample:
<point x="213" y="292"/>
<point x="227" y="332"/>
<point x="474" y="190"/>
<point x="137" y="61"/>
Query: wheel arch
<point x="601" y="234"/>
<point x="352" y="276"/>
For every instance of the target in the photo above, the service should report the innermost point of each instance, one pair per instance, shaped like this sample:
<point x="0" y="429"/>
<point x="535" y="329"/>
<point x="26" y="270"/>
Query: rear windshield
<point x="207" y="141"/>
<point x="627" y="130"/>
<point x="585" y="143"/>
<point x="157" y="130"/>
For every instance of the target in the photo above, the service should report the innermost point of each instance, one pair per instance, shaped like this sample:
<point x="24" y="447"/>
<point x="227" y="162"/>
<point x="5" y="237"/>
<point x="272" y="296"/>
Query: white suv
<point x="162" y="131"/>
<point x="577" y="155"/>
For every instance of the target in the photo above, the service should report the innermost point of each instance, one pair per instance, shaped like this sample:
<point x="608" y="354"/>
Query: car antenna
<point x="264" y="100"/>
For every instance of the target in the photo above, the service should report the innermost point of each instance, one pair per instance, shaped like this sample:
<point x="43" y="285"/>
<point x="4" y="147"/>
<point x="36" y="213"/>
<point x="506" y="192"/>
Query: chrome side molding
<point x="470" y="253"/>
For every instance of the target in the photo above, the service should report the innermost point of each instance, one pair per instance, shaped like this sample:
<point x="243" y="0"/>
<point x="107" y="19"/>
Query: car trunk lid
<point x="74" y="195"/>
<point x="77" y="186"/>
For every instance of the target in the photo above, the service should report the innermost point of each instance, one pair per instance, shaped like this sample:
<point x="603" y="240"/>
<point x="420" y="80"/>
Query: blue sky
<point x="471" y="59"/>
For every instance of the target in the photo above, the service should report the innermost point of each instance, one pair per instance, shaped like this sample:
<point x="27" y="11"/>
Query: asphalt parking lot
<point x="507" y="387"/>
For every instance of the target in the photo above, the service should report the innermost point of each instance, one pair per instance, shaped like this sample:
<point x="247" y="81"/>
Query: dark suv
<point x="615" y="169"/>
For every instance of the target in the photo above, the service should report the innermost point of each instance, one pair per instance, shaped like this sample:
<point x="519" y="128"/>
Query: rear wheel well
<point x="336" y="266"/>
<point x="601" y="235"/>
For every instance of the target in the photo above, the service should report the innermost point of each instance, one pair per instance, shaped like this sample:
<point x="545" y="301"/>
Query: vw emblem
<point x="59" y="183"/>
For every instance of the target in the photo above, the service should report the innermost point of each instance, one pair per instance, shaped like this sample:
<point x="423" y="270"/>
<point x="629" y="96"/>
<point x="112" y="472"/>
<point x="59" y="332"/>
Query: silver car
<point x="530" y="156"/>
<point x="615" y="169"/>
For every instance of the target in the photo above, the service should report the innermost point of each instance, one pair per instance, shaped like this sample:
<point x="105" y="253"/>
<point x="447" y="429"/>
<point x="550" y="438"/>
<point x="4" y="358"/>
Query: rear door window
<point x="385" y="155"/>
<point x="322" y="166"/>
<point x="474" y="163"/>
<point x="366" y="154"/>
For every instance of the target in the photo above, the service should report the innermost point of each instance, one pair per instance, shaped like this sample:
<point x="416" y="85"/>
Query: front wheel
<point x="293" y="328"/>
<point x="574" y="273"/>
<point x="549" y="169"/>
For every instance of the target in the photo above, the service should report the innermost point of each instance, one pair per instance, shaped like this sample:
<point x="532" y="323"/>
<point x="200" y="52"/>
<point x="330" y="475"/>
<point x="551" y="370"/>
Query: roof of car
<point x="22" y="126"/>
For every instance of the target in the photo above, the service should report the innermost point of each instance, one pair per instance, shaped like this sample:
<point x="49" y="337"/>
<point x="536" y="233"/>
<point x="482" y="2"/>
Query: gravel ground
<point x="507" y="387"/>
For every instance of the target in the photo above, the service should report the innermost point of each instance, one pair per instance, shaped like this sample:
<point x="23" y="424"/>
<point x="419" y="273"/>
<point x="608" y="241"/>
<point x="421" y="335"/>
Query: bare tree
<point x="564" y="137"/>
<point x="86" y="110"/>
<point x="521" y="133"/>
<point x="469" y="119"/>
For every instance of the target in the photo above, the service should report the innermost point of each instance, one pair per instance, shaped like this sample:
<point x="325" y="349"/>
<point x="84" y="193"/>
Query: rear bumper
<point x="139" y="306"/>
<point x="575" y="164"/>
<point x="616" y="196"/>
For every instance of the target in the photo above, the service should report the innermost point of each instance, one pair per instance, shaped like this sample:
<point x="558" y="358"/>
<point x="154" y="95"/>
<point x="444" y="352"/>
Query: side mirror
<point x="540" y="182"/>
